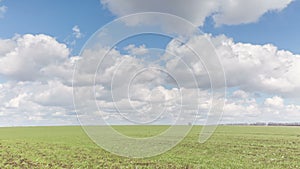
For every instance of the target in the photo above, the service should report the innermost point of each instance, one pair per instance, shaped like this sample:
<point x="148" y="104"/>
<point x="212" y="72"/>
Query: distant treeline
<point x="265" y="124"/>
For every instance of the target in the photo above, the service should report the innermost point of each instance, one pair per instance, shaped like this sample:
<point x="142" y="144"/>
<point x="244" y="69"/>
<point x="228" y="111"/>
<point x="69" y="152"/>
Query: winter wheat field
<point x="230" y="147"/>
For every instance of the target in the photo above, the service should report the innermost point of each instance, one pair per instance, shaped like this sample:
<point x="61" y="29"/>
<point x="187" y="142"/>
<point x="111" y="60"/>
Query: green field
<point x="229" y="147"/>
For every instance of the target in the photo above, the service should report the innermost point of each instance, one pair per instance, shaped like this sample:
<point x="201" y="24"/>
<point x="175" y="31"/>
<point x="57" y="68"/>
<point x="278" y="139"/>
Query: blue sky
<point x="279" y="28"/>
<point x="57" y="18"/>
<point x="40" y="42"/>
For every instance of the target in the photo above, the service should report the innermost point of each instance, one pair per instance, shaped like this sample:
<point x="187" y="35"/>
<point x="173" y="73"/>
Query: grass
<point x="229" y="147"/>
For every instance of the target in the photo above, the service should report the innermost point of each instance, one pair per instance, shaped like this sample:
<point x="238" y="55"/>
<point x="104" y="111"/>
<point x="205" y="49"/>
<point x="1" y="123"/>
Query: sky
<point x="148" y="78"/>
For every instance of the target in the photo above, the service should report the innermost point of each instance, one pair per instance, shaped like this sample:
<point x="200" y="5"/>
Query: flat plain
<point x="229" y="147"/>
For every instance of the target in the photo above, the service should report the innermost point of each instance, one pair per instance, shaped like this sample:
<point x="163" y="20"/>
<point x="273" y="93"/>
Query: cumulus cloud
<point x="240" y="94"/>
<point x="141" y="89"/>
<point x="133" y="50"/>
<point x="33" y="103"/>
<point x="25" y="57"/>
<point x="262" y="68"/>
<point x="54" y="94"/>
<point x="37" y="72"/>
<point x="229" y="12"/>
<point x="38" y="75"/>
<point x="253" y="64"/>
<point x="276" y="102"/>
<point x="76" y="32"/>
<point x="250" y="110"/>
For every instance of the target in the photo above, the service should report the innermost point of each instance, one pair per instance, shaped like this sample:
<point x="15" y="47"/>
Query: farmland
<point x="229" y="147"/>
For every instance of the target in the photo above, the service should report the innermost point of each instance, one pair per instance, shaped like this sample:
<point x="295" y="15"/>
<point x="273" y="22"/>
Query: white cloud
<point x="19" y="105"/>
<point x="76" y="32"/>
<point x="249" y="110"/>
<point x="54" y="94"/>
<point x="240" y="94"/>
<point x="131" y="84"/>
<point x="276" y="102"/>
<point x="3" y="10"/>
<point x="25" y="57"/>
<point x="194" y="11"/>
<point x="261" y="68"/>
<point x="38" y="73"/>
<point x="16" y="102"/>
<point x="228" y="12"/>
<point x="233" y="12"/>
<point x="247" y="67"/>
<point x="6" y="45"/>
<point x="136" y="51"/>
